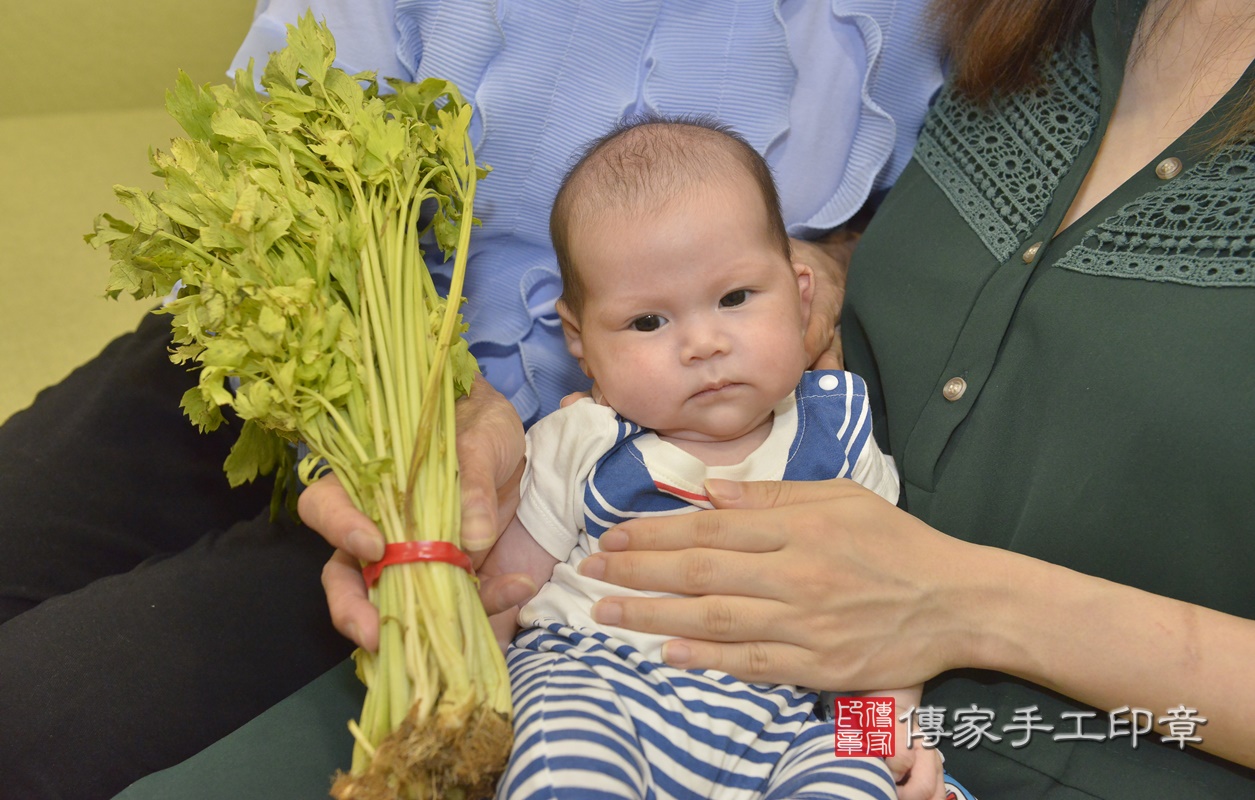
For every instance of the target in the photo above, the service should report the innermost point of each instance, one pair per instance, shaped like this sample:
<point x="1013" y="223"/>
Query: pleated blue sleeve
<point x="833" y="92"/>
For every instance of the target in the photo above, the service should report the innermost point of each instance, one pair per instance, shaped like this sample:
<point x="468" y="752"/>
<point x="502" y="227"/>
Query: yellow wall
<point x="89" y="55"/>
<point x="82" y="84"/>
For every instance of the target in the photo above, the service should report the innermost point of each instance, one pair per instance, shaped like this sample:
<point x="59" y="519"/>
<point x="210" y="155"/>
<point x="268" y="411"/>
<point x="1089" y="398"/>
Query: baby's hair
<point x="645" y="160"/>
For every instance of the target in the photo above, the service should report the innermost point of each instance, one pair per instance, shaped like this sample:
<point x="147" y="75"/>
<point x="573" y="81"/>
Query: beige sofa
<point x="82" y="95"/>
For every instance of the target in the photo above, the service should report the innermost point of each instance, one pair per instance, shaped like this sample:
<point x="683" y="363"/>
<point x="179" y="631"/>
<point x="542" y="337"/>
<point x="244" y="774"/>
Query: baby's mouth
<point x="713" y="388"/>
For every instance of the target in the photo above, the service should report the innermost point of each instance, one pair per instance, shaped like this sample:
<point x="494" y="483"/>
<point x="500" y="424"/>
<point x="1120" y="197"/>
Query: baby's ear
<point x="571" y="332"/>
<point x="806" y="289"/>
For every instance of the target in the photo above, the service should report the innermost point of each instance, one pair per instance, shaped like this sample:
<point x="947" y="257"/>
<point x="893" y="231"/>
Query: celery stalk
<point x="294" y="223"/>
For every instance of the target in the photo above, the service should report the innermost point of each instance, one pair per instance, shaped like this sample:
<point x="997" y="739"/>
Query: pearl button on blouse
<point x="1169" y="168"/>
<point x="954" y="389"/>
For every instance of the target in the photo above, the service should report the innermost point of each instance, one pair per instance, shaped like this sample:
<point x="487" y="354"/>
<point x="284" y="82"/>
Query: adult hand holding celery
<point x="291" y="220"/>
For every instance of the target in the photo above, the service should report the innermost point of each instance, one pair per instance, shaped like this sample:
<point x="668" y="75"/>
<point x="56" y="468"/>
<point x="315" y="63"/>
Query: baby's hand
<point x="916" y="769"/>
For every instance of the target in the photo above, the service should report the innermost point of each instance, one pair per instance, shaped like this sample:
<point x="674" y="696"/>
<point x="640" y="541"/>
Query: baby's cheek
<point x="633" y="389"/>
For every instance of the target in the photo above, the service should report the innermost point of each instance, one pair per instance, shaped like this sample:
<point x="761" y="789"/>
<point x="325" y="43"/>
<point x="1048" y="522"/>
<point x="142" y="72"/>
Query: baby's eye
<point x="732" y="299"/>
<point x="647" y="323"/>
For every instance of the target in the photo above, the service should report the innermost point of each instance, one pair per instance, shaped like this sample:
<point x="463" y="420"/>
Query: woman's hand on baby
<point x="594" y="392"/>
<point x="490" y="455"/>
<point x="829" y="260"/>
<point x="821" y="584"/>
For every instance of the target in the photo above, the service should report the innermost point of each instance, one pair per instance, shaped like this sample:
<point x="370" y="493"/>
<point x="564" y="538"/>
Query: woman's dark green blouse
<point x="1086" y="397"/>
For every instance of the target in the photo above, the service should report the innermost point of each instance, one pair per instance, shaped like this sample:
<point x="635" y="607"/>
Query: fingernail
<point x="677" y="654"/>
<point x="606" y="612"/>
<point x="477" y="533"/>
<point x="354" y="633"/>
<point x="720" y="489"/>
<point x="613" y="540"/>
<point x="519" y="591"/>
<point x="593" y="567"/>
<point x="363" y="545"/>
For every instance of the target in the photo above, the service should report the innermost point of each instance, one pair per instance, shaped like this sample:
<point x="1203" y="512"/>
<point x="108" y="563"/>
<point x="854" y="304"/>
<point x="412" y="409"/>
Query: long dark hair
<point x="995" y="45"/>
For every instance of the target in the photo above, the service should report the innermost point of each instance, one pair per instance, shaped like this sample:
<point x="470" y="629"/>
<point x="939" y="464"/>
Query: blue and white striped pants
<point x="594" y="720"/>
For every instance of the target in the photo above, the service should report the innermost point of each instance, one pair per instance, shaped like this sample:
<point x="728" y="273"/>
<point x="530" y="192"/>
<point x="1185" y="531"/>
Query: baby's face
<point x="694" y="319"/>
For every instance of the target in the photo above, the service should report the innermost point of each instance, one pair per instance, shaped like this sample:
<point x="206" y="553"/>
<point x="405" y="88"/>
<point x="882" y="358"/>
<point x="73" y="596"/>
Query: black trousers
<point x="146" y="609"/>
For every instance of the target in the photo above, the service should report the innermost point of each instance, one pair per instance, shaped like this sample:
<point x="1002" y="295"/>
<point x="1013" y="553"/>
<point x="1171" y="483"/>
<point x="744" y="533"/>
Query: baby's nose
<point x="705" y="340"/>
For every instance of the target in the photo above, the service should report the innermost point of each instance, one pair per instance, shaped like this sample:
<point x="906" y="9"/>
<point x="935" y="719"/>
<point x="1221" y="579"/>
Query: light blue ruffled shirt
<point x="833" y="93"/>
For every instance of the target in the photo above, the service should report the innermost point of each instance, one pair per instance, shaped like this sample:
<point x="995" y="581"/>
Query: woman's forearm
<point x="1110" y="645"/>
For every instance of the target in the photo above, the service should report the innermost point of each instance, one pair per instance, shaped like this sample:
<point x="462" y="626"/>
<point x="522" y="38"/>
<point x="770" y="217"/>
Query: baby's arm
<point x="516" y="551"/>
<point x="561" y="451"/>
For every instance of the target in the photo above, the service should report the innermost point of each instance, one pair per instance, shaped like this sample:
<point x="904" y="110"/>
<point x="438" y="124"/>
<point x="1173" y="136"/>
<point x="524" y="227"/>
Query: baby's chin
<point x="706" y="436"/>
<point x="717" y="432"/>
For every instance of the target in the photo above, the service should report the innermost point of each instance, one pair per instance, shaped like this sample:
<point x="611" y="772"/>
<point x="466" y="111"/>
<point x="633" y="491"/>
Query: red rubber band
<point x="409" y="552"/>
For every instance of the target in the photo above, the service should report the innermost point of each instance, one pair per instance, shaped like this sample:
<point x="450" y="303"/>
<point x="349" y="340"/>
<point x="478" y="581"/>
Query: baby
<point x="681" y="302"/>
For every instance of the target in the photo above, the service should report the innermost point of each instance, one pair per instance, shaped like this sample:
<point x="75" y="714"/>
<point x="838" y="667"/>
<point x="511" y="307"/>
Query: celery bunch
<point x="291" y="221"/>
